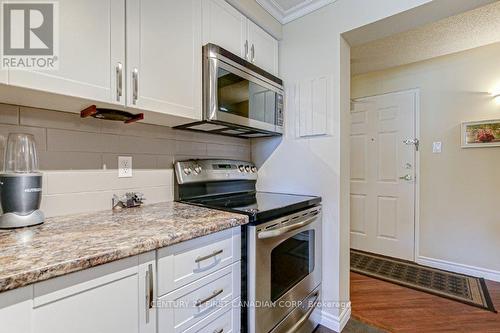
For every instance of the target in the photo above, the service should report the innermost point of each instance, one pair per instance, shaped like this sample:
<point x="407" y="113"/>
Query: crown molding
<point x="286" y="16"/>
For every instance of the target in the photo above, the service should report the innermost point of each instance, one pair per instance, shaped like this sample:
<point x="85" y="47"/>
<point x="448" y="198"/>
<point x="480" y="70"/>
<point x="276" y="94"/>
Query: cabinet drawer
<point x="189" y="305"/>
<point x="225" y="321"/>
<point x="186" y="262"/>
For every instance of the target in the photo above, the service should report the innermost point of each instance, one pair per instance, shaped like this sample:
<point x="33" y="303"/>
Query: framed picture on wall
<point x="485" y="133"/>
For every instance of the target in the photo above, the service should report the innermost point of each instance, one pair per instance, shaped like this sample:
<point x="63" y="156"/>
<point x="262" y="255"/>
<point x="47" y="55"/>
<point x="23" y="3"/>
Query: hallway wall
<point x="459" y="188"/>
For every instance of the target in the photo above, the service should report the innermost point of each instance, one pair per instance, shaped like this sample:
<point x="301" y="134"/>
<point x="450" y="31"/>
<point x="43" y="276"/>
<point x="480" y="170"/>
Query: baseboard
<point x="335" y="323"/>
<point x="488" y="274"/>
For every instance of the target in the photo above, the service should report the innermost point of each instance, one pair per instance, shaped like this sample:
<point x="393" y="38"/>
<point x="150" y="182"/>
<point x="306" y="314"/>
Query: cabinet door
<point x="103" y="299"/>
<point x="164" y="56"/>
<point x="223" y="25"/>
<point x="91" y="45"/>
<point x="263" y="48"/>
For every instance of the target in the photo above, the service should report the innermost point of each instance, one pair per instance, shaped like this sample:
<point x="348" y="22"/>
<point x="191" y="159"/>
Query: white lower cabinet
<point x="187" y="306"/>
<point x="124" y="296"/>
<point x="225" y="321"/>
<point x="104" y="299"/>
<point x="198" y="282"/>
<point x="16" y="310"/>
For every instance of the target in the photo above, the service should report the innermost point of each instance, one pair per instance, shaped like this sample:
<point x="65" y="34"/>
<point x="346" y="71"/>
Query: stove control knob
<point x="254" y="169"/>
<point x="241" y="168"/>
<point x="197" y="169"/>
<point x="247" y="168"/>
<point x="187" y="171"/>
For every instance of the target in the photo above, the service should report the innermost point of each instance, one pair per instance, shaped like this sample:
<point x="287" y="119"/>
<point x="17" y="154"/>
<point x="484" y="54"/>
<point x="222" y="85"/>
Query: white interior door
<point x="383" y="174"/>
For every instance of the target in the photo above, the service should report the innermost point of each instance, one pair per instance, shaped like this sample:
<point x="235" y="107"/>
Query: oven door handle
<point x="283" y="230"/>
<point x="306" y="316"/>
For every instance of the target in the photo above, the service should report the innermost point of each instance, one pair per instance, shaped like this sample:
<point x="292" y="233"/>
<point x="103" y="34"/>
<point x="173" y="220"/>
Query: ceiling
<point x="288" y="10"/>
<point x="474" y="28"/>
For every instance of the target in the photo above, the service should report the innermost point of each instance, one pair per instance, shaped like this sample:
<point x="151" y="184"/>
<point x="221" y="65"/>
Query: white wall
<point x="312" y="46"/>
<point x="459" y="188"/>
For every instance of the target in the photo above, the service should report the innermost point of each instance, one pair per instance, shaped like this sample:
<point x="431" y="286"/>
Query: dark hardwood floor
<point x="353" y="326"/>
<point x="399" y="309"/>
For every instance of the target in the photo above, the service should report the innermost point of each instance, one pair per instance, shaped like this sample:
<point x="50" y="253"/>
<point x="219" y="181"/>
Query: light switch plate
<point x="124" y="166"/>
<point x="436" y="147"/>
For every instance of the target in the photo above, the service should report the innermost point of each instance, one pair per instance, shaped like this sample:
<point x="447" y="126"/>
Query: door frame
<point x="416" y="199"/>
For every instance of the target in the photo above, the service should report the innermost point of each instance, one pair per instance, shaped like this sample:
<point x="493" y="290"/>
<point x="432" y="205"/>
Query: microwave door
<point x="239" y="98"/>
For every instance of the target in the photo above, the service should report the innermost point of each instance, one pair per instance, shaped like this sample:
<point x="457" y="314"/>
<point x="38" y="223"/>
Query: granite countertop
<point x="72" y="243"/>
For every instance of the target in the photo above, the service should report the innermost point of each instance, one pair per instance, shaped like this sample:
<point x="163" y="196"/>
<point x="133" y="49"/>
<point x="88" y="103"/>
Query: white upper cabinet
<point x="225" y="26"/>
<point x="142" y="55"/>
<point x="164" y="56"/>
<point x="263" y="48"/>
<point x="91" y="45"/>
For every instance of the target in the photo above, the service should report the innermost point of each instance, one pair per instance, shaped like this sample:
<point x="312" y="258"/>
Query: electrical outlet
<point x="124" y="166"/>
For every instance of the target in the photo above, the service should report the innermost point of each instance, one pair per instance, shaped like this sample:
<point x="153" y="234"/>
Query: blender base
<point x="13" y="220"/>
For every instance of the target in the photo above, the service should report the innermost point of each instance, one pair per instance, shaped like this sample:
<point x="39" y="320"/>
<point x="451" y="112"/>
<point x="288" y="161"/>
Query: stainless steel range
<point x="281" y="255"/>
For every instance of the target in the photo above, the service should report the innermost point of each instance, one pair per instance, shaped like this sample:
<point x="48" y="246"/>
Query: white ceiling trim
<point x="286" y="16"/>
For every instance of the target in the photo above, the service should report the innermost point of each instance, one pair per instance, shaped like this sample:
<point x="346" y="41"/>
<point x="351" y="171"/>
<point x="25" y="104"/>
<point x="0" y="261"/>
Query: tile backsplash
<point x="79" y="157"/>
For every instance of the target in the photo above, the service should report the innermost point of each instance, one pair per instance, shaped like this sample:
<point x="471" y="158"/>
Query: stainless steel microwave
<point x="239" y="98"/>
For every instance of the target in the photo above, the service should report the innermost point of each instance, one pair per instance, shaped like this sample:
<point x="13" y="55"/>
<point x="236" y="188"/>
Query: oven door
<point x="284" y="267"/>
<point x="233" y="95"/>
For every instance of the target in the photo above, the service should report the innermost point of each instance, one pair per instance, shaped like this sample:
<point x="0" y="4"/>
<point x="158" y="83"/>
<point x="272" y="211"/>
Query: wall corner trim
<point x="485" y="273"/>
<point x="336" y="323"/>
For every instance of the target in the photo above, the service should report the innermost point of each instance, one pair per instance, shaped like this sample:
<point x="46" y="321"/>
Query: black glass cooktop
<point x="259" y="206"/>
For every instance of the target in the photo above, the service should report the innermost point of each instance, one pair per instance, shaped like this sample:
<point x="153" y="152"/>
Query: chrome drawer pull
<point x="205" y="300"/>
<point x="208" y="256"/>
<point x="219" y="331"/>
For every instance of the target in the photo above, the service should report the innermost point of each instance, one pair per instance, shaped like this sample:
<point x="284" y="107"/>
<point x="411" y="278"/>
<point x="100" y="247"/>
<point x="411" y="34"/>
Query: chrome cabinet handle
<point x="135" y="85"/>
<point x="149" y="291"/>
<point x="205" y="300"/>
<point x="280" y="231"/>
<point x="219" y="331"/>
<point x="119" y="81"/>
<point x="252" y="50"/>
<point x="406" y="177"/>
<point x="208" y="256"/>
<point x="306" y="316"/>
<point x="246" y="49"/>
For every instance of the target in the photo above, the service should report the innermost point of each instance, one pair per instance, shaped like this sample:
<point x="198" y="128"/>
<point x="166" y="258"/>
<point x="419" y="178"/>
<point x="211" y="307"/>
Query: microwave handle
<point x="283" y="230"/>
<point x="211" y="90"/>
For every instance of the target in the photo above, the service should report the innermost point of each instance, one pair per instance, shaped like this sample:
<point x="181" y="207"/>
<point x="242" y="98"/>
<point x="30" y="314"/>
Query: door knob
<point x="406" y="177"/>
<point x="415" y="142"/>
